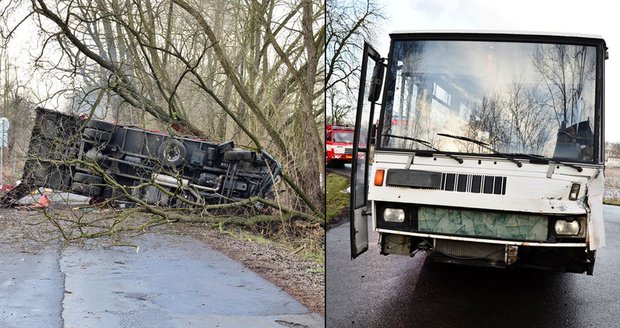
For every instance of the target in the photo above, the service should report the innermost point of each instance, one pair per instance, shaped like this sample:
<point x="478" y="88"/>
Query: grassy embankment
<point x="612" y="186"/>
<point x="337" y="201"/>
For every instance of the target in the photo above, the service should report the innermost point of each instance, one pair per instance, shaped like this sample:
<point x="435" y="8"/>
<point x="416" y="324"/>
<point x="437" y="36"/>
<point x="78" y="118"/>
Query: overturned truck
<point x="123" y="163"/>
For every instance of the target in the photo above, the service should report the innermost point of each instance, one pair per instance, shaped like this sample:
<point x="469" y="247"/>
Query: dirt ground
<point x="28" y="231"/>
<point x="17" y="231"/>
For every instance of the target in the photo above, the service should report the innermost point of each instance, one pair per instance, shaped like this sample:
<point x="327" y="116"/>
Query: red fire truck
<point x="338" y="145"/>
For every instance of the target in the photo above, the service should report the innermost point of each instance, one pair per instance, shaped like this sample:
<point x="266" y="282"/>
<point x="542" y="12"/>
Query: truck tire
<point x="240" y="155"/>
<point x="97" y="135"/>
<point x="172" y="153"/>
<point x="100" y="125"/>
<point x="85" y="189"/>
<point x="87" y="178"/>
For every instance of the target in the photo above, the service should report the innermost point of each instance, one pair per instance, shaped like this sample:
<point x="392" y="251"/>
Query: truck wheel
<point x="100" y="125"/>
<point x="85" y="189"/>
<point x="172" y="153"/>
<point x="97" y="135"/>
<point x="87" y="178"/>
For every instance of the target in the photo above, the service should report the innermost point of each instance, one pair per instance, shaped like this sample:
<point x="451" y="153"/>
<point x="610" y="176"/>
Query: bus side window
<point x="329" y="136"/>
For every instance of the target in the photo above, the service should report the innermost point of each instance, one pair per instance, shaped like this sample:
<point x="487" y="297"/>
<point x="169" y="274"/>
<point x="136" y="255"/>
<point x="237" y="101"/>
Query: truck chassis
<point x="99" y="159"/>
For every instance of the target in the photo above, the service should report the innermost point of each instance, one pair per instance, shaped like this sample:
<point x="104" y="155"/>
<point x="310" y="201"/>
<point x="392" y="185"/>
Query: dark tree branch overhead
<point x="118" y="81"/>
<point x="304" y="84"/>
<point x="349" y="24"/>
<point x="173" y="62"/>
<point x="226" y="65"/>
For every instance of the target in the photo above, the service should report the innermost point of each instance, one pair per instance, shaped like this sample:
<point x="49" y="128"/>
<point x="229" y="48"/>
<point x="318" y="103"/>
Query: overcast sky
<point x="569" y="16"/>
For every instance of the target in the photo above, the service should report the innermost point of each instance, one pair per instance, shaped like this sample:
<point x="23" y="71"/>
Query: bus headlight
<point x="394" y="215"/>
<point x="569" y="227"/>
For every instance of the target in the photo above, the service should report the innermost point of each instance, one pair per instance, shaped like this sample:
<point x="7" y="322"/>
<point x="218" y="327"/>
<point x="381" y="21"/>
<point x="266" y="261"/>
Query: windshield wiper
<point x="483" y="145"/>
<point x="551" y="160"/>
<point x="425" y="143"/>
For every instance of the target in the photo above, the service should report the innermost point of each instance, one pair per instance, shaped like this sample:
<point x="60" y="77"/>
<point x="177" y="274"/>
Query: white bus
<point x="489" y="149"/>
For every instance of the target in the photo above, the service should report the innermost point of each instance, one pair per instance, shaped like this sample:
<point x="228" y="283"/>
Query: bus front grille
<point x="462" y="250"/>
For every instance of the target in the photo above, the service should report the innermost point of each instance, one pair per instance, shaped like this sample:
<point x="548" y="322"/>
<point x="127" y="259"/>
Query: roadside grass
<point x="611" y="195"/>
<point x="297" y="238"/>
<point x="336" y="201"/>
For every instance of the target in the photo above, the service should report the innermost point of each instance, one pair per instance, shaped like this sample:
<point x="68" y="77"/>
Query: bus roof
<point x="533" y="33"/>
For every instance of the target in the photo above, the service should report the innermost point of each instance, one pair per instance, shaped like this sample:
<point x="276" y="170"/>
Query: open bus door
<point x="371" y="80"/>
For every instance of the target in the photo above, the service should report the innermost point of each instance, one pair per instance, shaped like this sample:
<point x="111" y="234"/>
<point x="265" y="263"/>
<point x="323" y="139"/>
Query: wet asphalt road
<point x="397" y="291"/>
<point x="172" y="281"/>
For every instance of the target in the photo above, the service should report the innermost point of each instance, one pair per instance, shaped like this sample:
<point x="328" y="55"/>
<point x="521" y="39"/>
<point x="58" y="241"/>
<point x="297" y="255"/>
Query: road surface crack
<point x="63" y="285"/>
<point x="291" y="324"/>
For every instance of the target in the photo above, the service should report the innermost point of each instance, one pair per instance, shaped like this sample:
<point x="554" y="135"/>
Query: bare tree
<point x="15" y="105"/>
<point x="339" y="109"/>
<point x="612" y="149"/>
<point x="188" y="68"/>
<point x="564" y="69"/>
<point x="529" y="121"/>
<point x="488" y="116"/>
<point x="349" y="24"/>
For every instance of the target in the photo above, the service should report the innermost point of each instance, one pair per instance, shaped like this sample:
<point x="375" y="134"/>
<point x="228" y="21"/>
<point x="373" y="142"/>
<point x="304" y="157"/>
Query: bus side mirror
<point x="376" y="81"/>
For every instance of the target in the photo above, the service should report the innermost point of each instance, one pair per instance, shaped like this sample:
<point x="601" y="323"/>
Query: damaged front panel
<point x="505" y="225"/>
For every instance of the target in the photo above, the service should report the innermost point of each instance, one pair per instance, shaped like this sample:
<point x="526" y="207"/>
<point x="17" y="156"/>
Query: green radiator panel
<point x="483" y="224"/>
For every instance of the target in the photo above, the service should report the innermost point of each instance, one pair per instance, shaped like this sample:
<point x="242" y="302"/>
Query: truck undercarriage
<point x="111" y="161"/>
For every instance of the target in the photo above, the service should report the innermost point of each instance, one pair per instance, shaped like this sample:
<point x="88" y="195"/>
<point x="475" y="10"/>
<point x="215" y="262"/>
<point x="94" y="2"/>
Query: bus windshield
<point x="518" y="98"/>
